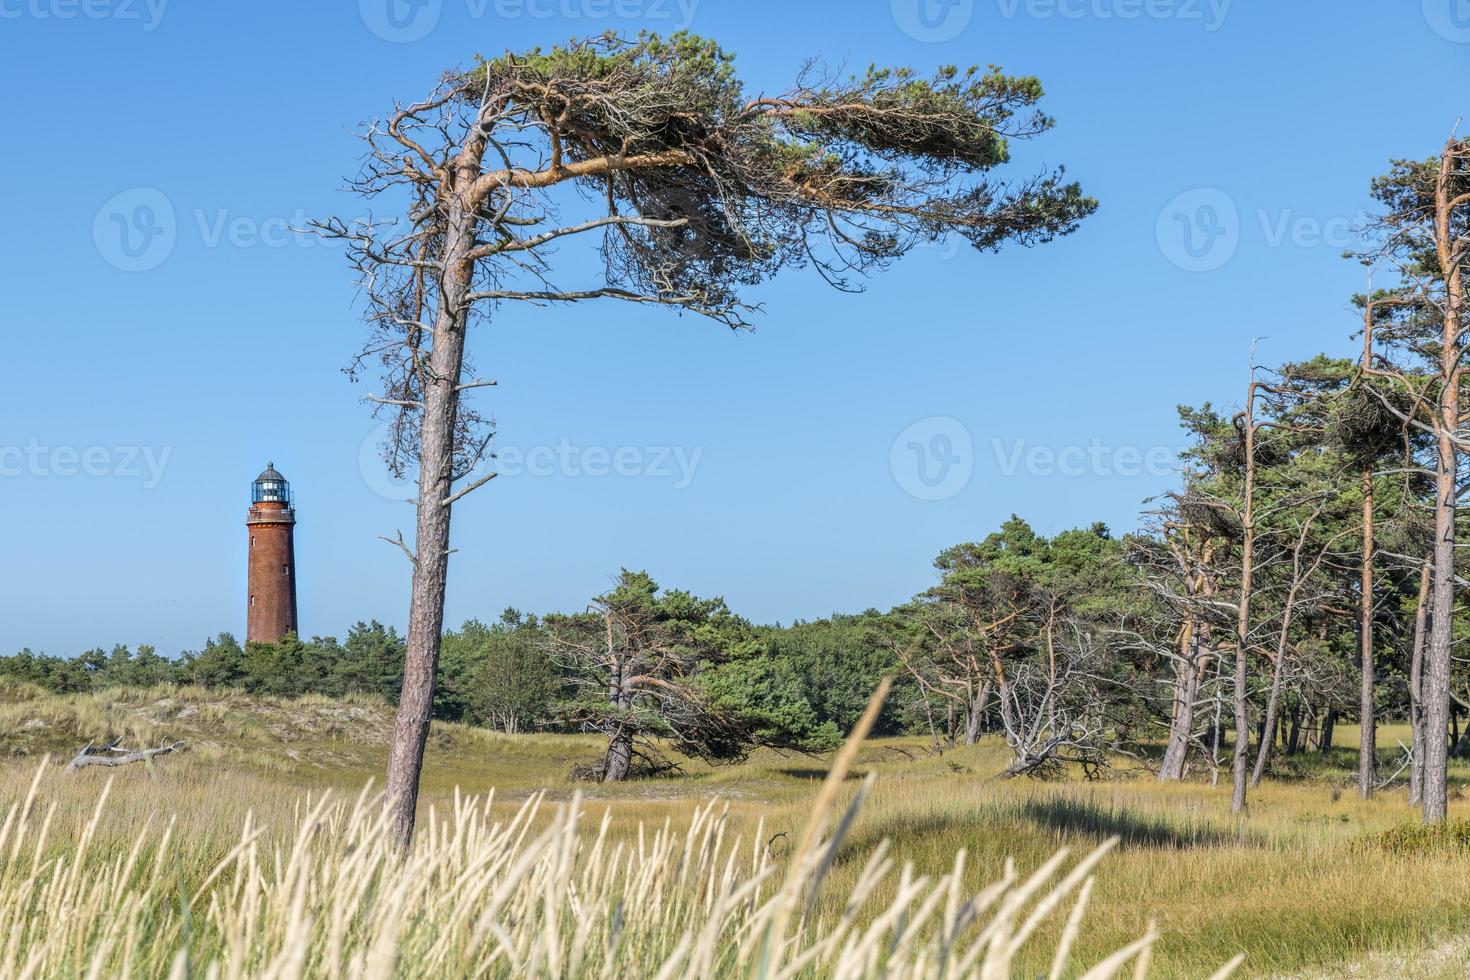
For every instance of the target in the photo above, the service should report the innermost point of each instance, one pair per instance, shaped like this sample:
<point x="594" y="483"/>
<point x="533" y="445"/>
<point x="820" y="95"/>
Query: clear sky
<point x="167" y="335"/>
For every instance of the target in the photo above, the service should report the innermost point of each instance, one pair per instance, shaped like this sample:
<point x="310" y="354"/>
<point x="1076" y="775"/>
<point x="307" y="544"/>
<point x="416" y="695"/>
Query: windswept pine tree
<point x="683" y="189"/>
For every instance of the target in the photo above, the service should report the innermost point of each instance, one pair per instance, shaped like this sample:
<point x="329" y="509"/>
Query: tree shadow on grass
<point x="1133" y="830"/>
<point x="816" y="772"/>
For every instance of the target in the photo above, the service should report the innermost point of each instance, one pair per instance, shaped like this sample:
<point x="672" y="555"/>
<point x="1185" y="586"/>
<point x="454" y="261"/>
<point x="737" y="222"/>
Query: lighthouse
<point x="271" y="522"/>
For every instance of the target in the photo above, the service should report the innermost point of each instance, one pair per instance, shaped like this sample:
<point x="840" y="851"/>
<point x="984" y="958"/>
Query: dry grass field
<point x="1303" y="885"/>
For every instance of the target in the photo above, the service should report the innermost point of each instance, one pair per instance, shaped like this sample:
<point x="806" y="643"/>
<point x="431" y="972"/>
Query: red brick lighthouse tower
<point x="271" y="521"/>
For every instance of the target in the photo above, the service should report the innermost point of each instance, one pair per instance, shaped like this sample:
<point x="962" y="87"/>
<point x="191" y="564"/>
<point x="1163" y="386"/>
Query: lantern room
<point x="270" y="487"/>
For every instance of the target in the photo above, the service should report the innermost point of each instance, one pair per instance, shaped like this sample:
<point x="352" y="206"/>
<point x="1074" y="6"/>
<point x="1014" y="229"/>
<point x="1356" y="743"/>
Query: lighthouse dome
<point x="270" y="486"/>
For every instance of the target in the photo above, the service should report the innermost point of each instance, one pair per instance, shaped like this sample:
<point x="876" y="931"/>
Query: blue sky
<point x="816" y="464"/>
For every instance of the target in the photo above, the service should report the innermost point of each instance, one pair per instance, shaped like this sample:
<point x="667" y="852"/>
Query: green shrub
<point x="1418" y="838"/>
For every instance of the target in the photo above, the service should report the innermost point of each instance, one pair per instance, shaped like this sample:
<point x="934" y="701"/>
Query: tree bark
<point x="1243" y="610"/>
<point x="431" y="547"/>
<point x="1268" y="725"/>
<point x="1003" y="693"/>
<point x="619" y="758"/>
<point x="1329" y="722"/>
<point x="120" y="757"/>
<point x="975" y="714"/>
<point x="1436" y="672"/>
<point x="1437" y="661"/>
<point x="618" y="761"/>
<point x="1368" y="736"/>
<point x="1416" y="701"/>
<point x="1186" y="693"/>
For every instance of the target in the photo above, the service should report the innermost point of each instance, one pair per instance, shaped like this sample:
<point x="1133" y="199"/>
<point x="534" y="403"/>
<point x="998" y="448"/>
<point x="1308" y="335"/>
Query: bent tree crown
<point x="684" y="187"/>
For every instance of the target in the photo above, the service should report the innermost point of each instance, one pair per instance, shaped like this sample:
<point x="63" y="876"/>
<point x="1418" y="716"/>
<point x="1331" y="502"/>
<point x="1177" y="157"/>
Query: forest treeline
<point x="1305" y="569"/>
<point x="1082" y="648"/>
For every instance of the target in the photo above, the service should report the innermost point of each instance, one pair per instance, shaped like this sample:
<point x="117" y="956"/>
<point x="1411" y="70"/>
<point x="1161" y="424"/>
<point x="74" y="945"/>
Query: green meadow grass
<point x="1310" y="881"/>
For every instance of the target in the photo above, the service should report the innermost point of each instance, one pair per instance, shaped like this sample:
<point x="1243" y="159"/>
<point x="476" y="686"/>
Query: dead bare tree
<point x="1367" y="740"/>
<point x="1059" y="710"/>
<point x="112" y="754"/>
<point x="1307" y="554"/>
<point x="684" y="188"/>
<point x="1180" y="567"/>
<point x="959" y="655"/>
<point x="1246" y="423"/>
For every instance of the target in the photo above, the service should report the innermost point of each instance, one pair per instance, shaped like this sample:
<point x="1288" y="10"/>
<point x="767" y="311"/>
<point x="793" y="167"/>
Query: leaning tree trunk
<point x="1436" y="671"/>
<point x="1268" y="720"/>
<point x="618" y="763"/>
<point x="441" y="393"/>
<point x="975" y="714"/>
<point x="1243" y="610"/>
<point x="1003" y="694"/>
<point x="1368" y="736"/>
<point x="1268" y="723"/>
<point x="1437" y="662"/>
<point x="972" y="725"/>
<point x="1416" y="700"/>
<point x="1186" y="694"/>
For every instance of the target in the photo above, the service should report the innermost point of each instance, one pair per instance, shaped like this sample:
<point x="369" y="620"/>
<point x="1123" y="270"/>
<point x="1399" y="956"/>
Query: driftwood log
<point x="112" y="755"/>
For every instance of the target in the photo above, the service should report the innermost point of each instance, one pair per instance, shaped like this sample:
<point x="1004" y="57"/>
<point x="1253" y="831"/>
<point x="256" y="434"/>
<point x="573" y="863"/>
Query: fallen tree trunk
<point x="112" y="755"/>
